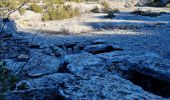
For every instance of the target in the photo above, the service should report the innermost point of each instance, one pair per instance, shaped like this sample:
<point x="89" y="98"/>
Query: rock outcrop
<point x="93" y="70"/>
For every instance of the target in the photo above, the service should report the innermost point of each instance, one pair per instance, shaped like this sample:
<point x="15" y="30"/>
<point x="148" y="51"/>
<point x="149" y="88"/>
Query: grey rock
<point x="40" y="64"/>
<point x="37" y="94"/>
<point x="75" y="69"/>
<point x="108" y="87"/>
<point x="48" y="81"/>
<point x="99" y="41"/>
<point x="14" y="67"/>
<point x="23" y="57"/>
<point x="151" y="64"/>
<point x="10" y="26"/>
<point x="101" y="48"/>
<point x="84" y="59"/>
<point x="47" y="51"/>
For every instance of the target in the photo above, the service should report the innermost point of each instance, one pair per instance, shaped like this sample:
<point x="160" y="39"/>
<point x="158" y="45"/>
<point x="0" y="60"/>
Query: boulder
<point x="10" y="26"/>
<point x="58" y="51"/>
<point x="151" y="64"/>
<point x="38" y="94"/>
<point x="101" y="48"/>
<point x="40" y="64"/>
<point x="87" y="60"/>
<point x="14" y="67"/>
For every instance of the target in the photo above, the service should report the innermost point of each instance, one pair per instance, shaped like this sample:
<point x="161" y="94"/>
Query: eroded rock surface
<point x="79" y="70"/>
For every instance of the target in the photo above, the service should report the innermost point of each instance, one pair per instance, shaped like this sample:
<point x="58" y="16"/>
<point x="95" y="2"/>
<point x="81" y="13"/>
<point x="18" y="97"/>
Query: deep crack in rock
<point x="150" y="84"/>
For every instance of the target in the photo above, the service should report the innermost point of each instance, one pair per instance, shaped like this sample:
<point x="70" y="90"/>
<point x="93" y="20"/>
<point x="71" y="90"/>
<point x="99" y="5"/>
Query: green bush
<point x="7" y="81"/>
<point x="106" y="7"/>
<point x="22" y="86"/>
<point x="36" y="8"/>
<point x="168" y="5"/>
<point x="156" y="3"/>
<point x="45" y="17"/>
<point x="115" y="10"/>
<point x="62" y="12"/>
<point x="21" y="11"/>
<point x="95" y="10"/>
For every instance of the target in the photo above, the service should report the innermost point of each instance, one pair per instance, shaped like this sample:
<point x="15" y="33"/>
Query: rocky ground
<point x="121" y="60"/>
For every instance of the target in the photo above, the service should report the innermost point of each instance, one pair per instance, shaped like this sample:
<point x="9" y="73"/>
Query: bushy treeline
<point x="158" y="3"/>
<point x="49" y="10"/>
<point x="61" y="12"/>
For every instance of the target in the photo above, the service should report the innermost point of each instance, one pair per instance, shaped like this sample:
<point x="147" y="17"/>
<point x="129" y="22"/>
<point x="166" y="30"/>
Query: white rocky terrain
<point x="126" y="58"/>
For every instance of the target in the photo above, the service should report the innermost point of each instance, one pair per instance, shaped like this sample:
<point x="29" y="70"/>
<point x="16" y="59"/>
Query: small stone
<point x="75" y="69"/>
<point x="58" y="51"/>
<point x="23" y="57"/>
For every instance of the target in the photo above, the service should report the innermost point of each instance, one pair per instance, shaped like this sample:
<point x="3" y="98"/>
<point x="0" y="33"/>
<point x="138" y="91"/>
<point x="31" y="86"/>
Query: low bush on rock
<point x="106" y="7"/>
<point x="21" y="11"/>
<point x="110" y="14"/>
<point x="115" y="10"/>
<point x="95" y="10"/>
<point x="156" y="3"/>
<point x="7" y="81"/>
<point x="36" y="8"/>
<point x="62" y="12"/>
<point x="64" y="31"/>
<point x="168" y="5"/>
<point x="146" y="13"/>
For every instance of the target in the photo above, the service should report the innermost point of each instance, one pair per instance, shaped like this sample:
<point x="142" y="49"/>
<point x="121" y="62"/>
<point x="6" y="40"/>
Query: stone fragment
<point x="40" y="64"/>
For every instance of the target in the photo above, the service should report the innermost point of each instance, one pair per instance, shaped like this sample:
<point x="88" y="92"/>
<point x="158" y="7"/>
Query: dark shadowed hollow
<point x="150" y="84"/>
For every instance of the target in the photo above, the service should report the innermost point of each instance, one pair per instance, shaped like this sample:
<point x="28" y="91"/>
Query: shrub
<point x="110" y="14"/>
<point x="146" y="13"/>
<point x="106" y="7"/>
<point x="45" y="17"/>
<point x="7" y="81"/>
<point x="137" y="12"/>
<point x="22" y="86"/>
<point x="156" y="3"/>
<point x="95" y="10"/>
<point x="36" y="8"/>
<point x="62" y="12"/>
<point x="115" y="10"/>
<point x="21" y="11"/>
<point x="64" y="31"/>
<point x="168" y="5"/>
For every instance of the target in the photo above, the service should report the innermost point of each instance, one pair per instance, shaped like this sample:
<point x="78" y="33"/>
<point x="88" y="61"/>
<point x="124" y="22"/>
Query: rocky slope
<point x="88" y="69"/>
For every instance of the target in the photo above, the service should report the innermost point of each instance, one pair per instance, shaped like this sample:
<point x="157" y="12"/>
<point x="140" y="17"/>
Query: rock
<point x="151" y="64"/>
<point x="10" y="26"/>
<point x="14" y="67"/>
<point x="15" y="15"/>
<point x="58" y="51"/>
<point x="81" y="45"/>
<point x="40" y="64"/>
<point x="75" y="69"/>
<point x="101" y="48"/>
<point x="38" y="94"/>
<point x="47" y="51"/>
<point x="114" y="57"/>
<point x="108" y="86"/>
<point x="99" y="41"/>
<point x="23" y="57"/>
<point x="87" y="60"/>
<point x="48" y="81"/>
